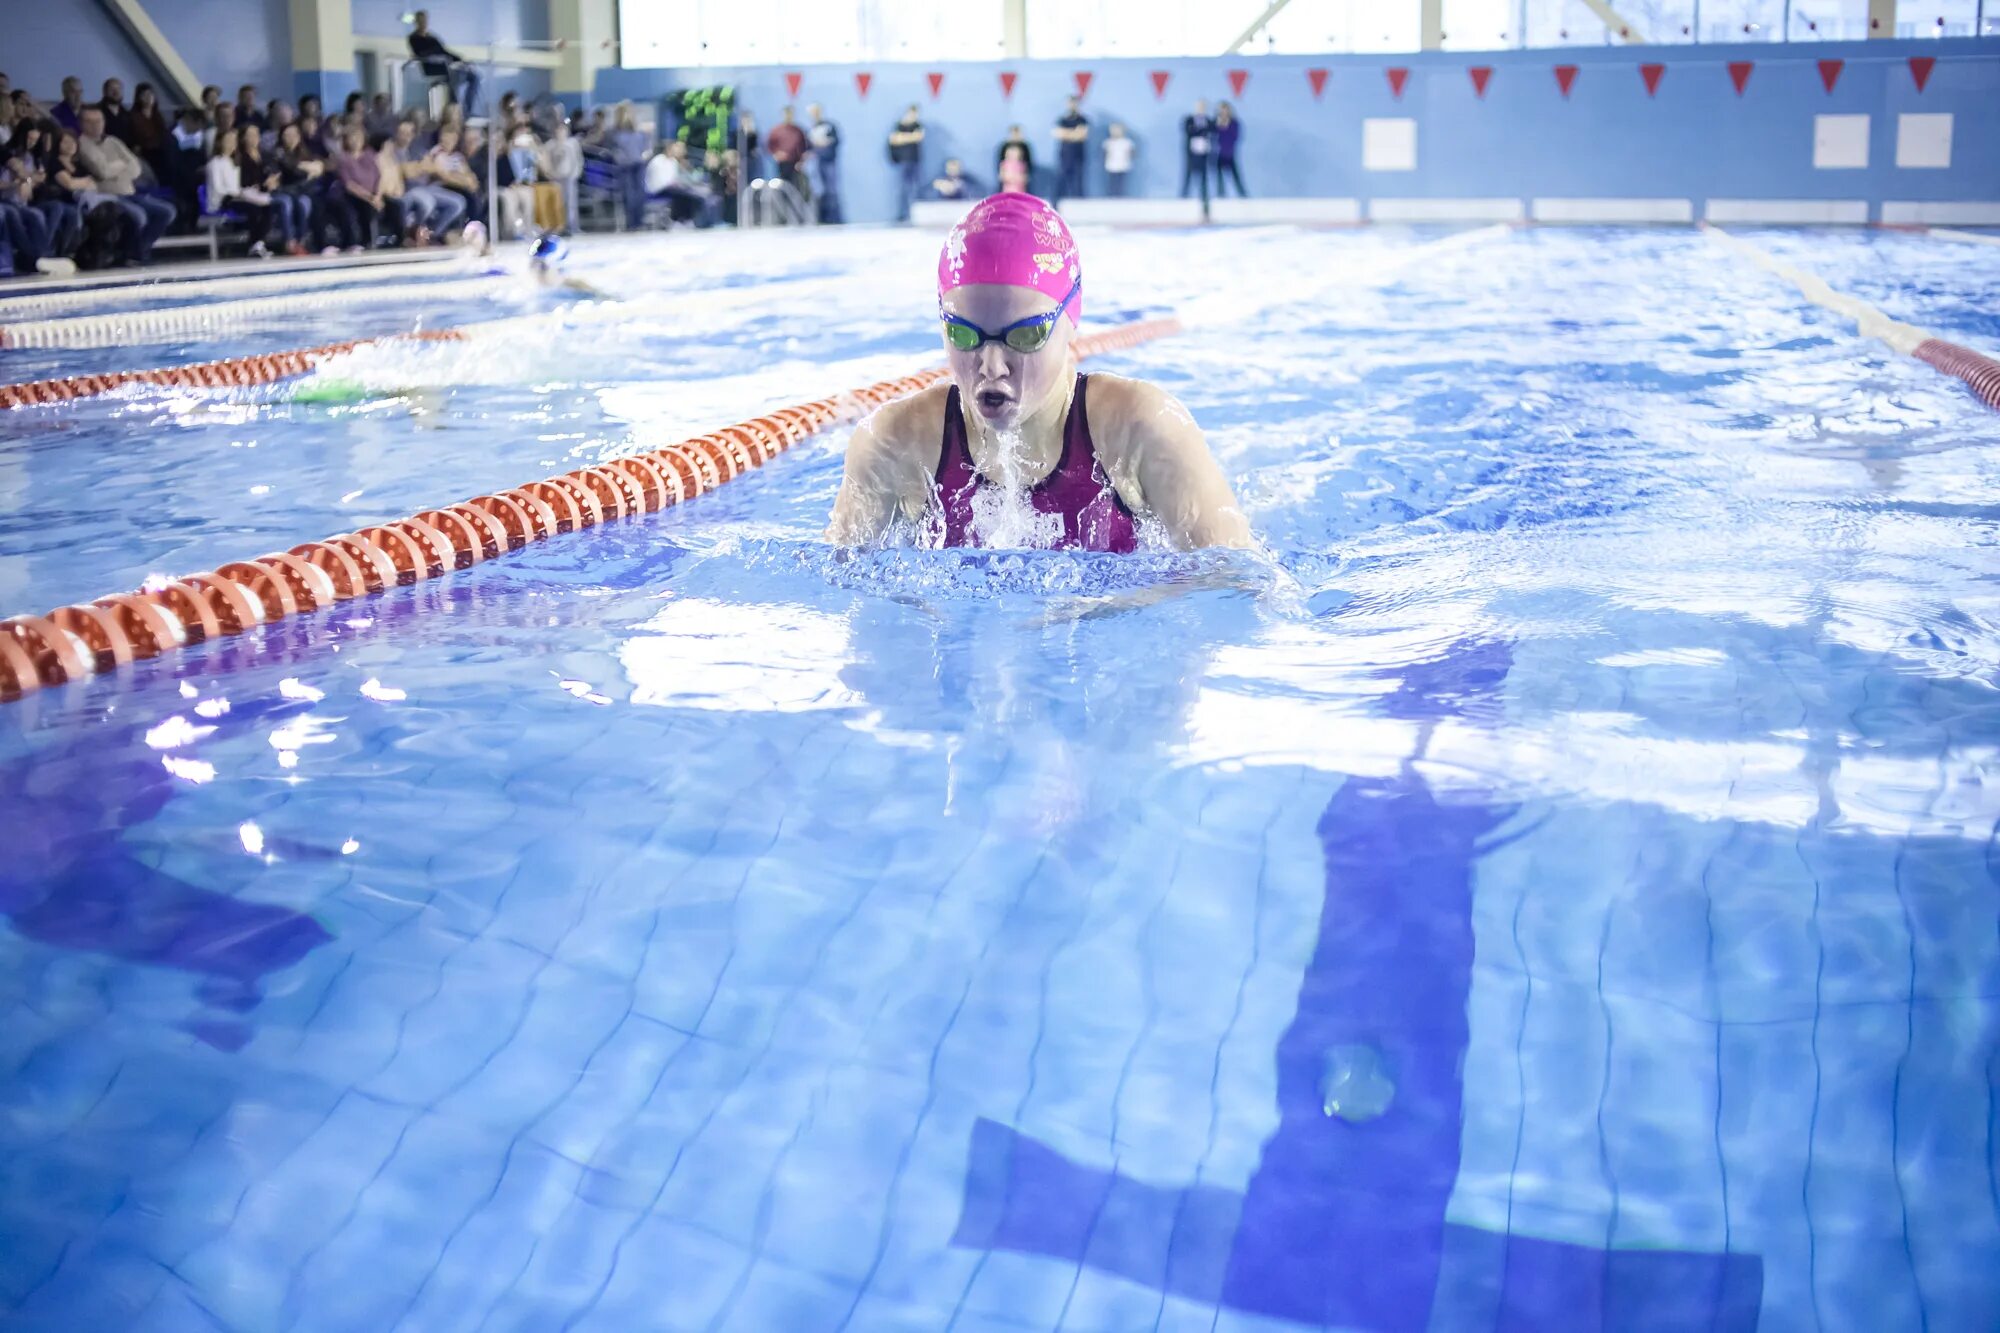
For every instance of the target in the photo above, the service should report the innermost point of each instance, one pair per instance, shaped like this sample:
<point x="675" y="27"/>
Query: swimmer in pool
<point x="545" y="265"/>
<point x="1094" y="454"/>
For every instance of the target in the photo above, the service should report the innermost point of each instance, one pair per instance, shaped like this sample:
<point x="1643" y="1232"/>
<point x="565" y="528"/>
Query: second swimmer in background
<point x="1091" y="455"/>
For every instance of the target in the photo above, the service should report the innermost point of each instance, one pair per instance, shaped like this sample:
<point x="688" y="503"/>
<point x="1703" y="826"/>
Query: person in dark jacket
<point x="1228" y="130"/>
<point x="1198" y="138"/>
<point x="441" y="62"/>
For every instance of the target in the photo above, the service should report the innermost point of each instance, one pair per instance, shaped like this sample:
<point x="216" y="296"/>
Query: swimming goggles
<point x="1024" y="335"/>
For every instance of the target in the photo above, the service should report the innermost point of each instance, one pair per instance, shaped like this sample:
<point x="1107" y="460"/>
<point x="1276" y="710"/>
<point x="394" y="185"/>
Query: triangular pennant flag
<point x="1920" y="69"/>
<point x="1481" y="76"/>
<point x="936" y="81"/>
<point x="792" y="81"/>
<point x="1651" y="74"/>
<point x="1160" y="78"/>
<point x="1739" y="74"/>
<point x="1083" y="83"/>
<point x="1317" y="78"/>
<point x="1007" y="77"/>
<point x="1829" y="72"/>
<point x="1237" y="78"/>
<point x="1565" y="78"/>
<point x="1398" y="76"/>
<point x="862" y="79"/>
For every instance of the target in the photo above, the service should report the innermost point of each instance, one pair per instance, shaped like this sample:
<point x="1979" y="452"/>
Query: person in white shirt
<point x="1118" y="150"/>
<point x="668" y="177"/>
<point x="227" y="192"/>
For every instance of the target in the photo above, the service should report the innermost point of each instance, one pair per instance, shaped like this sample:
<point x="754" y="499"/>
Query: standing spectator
<point x="1014" y="169"/>
<point x="116" y="171"/>
<point x="1016" y="138"/>
<point x="117" y="117"/>
<point x="1198" y="136"/>
<point x="1228" y="130"/>
<point x="787" y="145"/>
<point x="825" y="136"/>
<point x="440" y="62"/>
<point x="562" y="165"/>
<point x="600" y="128"/>
<point x="68" y="113"/>
<point x="226" y="190"/>
<point x="630" y="147"/>
<point x="906" y="150"/>
<point x="248" y="114"/>
<point x="361" y="204"/>
<point x="519" y="204"/>
<point x="955" y="184"/>
<point x="1072" y="136"/>
<point x="748" y="149"/>
<point x="1118" y="149"/>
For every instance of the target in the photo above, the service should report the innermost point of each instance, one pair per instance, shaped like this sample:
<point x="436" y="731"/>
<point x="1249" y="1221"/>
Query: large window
<point x="797" y="32"/>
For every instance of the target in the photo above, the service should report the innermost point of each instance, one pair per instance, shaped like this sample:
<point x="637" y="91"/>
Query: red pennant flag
<point x="936" y="82"/>
<point x="1082" y="83"/>
<point x="1317" y="78"/>
<point x="1920" y="69"/>
<point x="1565" y="78"/>
<point x="1829" y="72"/>
<point x="1160" y="78"/>
<point x="792" y="82"/>
<point x="1481" y="76"/>
<point x="1237" y="78"/>
<point x="1739" y="74"/>
<point x="1007" y="77"/>
<point x="1398" y="76"/>
<point x="861" y="81"/>
<point x="1651" y="74"/>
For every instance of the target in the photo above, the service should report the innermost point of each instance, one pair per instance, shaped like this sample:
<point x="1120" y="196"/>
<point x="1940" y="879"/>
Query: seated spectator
<point x="7" y="117"/>
<point x="430" y="210"/>
<point x="446" y="166"/>
<point x="30" y="153"/>
<point x="117" y="116"/>
<point x="225" y="119"/>
<point x="599" y="132"/>
<point x="227" y="192"/>
<point x="302" y="173"/>
<point x="248" y="114"/>
<point x="292" y="208"/>
<point x="562" y="166"/>
<point x="148" y="135"/>
<point x="116" y="172"/>
<point x="69" y="179"/>
<point x="211" y="102"/>
<point x="276" y="116"/>
<point x="668" y="178"/>
<point x="68" y="113"/>
<point x="955" y="184"/>
<point x="328" y="139"/>
<point x="25" y="237"/>
<point x="441" y="62"/>
<point x="380" y="122"/>
<point x="361" y="207"/>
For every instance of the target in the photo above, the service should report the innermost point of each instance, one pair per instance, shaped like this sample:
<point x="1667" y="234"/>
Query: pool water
<point x="1550" y="884"/>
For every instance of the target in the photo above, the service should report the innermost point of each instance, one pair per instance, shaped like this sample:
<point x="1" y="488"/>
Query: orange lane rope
<point x="72" y="642"/>
<point x="266" y="368"/>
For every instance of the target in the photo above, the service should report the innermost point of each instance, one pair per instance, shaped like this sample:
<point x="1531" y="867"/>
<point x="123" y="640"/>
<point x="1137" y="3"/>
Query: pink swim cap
<point x="1015" y="240"/>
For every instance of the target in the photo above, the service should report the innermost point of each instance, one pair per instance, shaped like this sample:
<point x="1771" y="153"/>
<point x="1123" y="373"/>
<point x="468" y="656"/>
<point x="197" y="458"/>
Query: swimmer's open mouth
<point x="991" y="400"/>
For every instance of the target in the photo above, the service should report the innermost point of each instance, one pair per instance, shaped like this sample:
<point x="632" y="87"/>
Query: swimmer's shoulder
<point x="1128" y="415"/>
<point x="910" y="429"/>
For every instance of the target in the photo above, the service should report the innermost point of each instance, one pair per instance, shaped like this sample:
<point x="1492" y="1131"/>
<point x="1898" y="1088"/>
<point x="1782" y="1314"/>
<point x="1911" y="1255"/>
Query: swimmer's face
<point x="1002" y="385"/>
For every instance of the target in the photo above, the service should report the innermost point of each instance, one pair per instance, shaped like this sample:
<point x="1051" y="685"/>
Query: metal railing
<point x="777" y="203"/>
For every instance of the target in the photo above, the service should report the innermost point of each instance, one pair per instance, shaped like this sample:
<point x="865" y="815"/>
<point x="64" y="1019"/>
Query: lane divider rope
<point x="234" y="371"/>
<point x="127" y="327"/>
<point x="1953" y="234"/>
<point x="1981" y="373"/>
<point x="73" y="642"/>
<point x="291" y="280"/>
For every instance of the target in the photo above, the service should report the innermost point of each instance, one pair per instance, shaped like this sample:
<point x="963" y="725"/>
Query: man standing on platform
<point x="825" y="137"/>
<point x="1198" y="132"/>
<point x="1072" y="135"/>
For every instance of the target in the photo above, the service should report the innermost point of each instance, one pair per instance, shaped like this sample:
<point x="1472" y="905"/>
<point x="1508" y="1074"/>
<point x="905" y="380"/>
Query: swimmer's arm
<point x="1164" y="451"/>
<point x="878" y="479"/>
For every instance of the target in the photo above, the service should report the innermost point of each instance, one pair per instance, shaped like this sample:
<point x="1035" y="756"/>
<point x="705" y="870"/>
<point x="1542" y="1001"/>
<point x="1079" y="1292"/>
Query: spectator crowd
<point x="100" y="183"/>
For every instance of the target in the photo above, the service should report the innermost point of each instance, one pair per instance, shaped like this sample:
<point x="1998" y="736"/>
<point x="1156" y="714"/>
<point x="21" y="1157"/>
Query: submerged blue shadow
<point x="1343" y="1222"/>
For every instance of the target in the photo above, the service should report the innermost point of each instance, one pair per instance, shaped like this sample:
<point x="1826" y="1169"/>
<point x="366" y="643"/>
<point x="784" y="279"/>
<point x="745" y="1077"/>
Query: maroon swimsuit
<point x="1094" y="517"/>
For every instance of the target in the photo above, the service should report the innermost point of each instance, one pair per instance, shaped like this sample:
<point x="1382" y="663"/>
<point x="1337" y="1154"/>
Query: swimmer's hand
<point x="1236" y="574"/>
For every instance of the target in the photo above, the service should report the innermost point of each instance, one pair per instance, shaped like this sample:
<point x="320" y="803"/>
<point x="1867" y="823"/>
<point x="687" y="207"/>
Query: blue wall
<point x="1695" y="139"/>
<point x="245" y="41"/>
